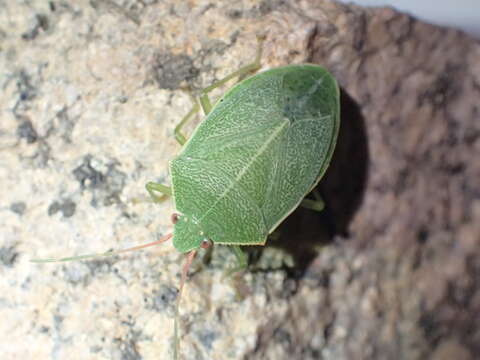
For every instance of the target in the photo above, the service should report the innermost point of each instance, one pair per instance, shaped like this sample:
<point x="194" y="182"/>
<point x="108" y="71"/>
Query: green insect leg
<point x="154" y="188"/>
<point x="242" y="259"/>
<point x="178" y="129"/>
<point x="318" y="204"/>
<point x="205" y="100"/>
<point x="241" y="256"/>
<point x="244" y="70"/>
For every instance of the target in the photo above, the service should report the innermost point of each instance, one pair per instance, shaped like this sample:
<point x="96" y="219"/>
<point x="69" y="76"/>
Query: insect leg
<point x="241" y="256"/>
<point x="242" y="259"/>
<point x="244" y="70"/>
<point x="313" y="204"/>
<point x="153" y="187"/>
<point x="178" y="134"/>
<point x="318" y="204"/>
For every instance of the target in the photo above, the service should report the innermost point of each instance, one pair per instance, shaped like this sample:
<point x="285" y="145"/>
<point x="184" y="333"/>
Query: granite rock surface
<point x="90" y="94"/>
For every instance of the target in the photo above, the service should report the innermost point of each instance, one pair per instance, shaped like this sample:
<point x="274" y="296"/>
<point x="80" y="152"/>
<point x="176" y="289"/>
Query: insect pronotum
<point x="260" y="150"/>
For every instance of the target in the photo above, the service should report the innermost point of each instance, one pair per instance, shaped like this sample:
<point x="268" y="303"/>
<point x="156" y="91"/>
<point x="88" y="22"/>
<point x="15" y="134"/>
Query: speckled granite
<point x="91" y="92"/>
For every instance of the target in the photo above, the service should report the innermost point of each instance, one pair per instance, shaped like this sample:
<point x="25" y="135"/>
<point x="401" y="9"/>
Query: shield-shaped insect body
<point x="264" y="146"/>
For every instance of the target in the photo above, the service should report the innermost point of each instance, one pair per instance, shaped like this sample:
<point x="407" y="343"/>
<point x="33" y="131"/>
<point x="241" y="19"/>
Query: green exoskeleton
<point x="260" y="150"/>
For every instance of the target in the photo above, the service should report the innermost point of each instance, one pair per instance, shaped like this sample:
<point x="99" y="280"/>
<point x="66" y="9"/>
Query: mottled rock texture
<point x="91" y="92"/>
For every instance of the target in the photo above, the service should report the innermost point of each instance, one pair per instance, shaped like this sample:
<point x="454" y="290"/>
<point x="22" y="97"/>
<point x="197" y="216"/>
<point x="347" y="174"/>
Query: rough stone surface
<point x="91" y="92"/>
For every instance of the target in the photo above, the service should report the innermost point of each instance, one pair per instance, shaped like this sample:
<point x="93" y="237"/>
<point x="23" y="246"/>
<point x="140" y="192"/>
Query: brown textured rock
<point x="91" y="93"/>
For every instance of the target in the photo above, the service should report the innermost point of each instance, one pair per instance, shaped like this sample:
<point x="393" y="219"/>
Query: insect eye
<point x="206" y="243"/>
<point x="174" y="218"/>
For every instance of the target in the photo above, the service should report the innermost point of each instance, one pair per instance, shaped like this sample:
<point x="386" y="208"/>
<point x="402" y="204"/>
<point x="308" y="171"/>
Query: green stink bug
<point x="259" y="151"/>
<point x="250" y="163"/>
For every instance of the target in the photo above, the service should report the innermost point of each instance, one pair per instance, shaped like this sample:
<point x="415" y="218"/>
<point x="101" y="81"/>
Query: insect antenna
<point x="186" y="267"/>
<point x="108" y="253"/>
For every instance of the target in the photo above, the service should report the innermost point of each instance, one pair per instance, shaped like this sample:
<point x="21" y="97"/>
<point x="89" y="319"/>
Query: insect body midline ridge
<point x="285" y="122"/>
